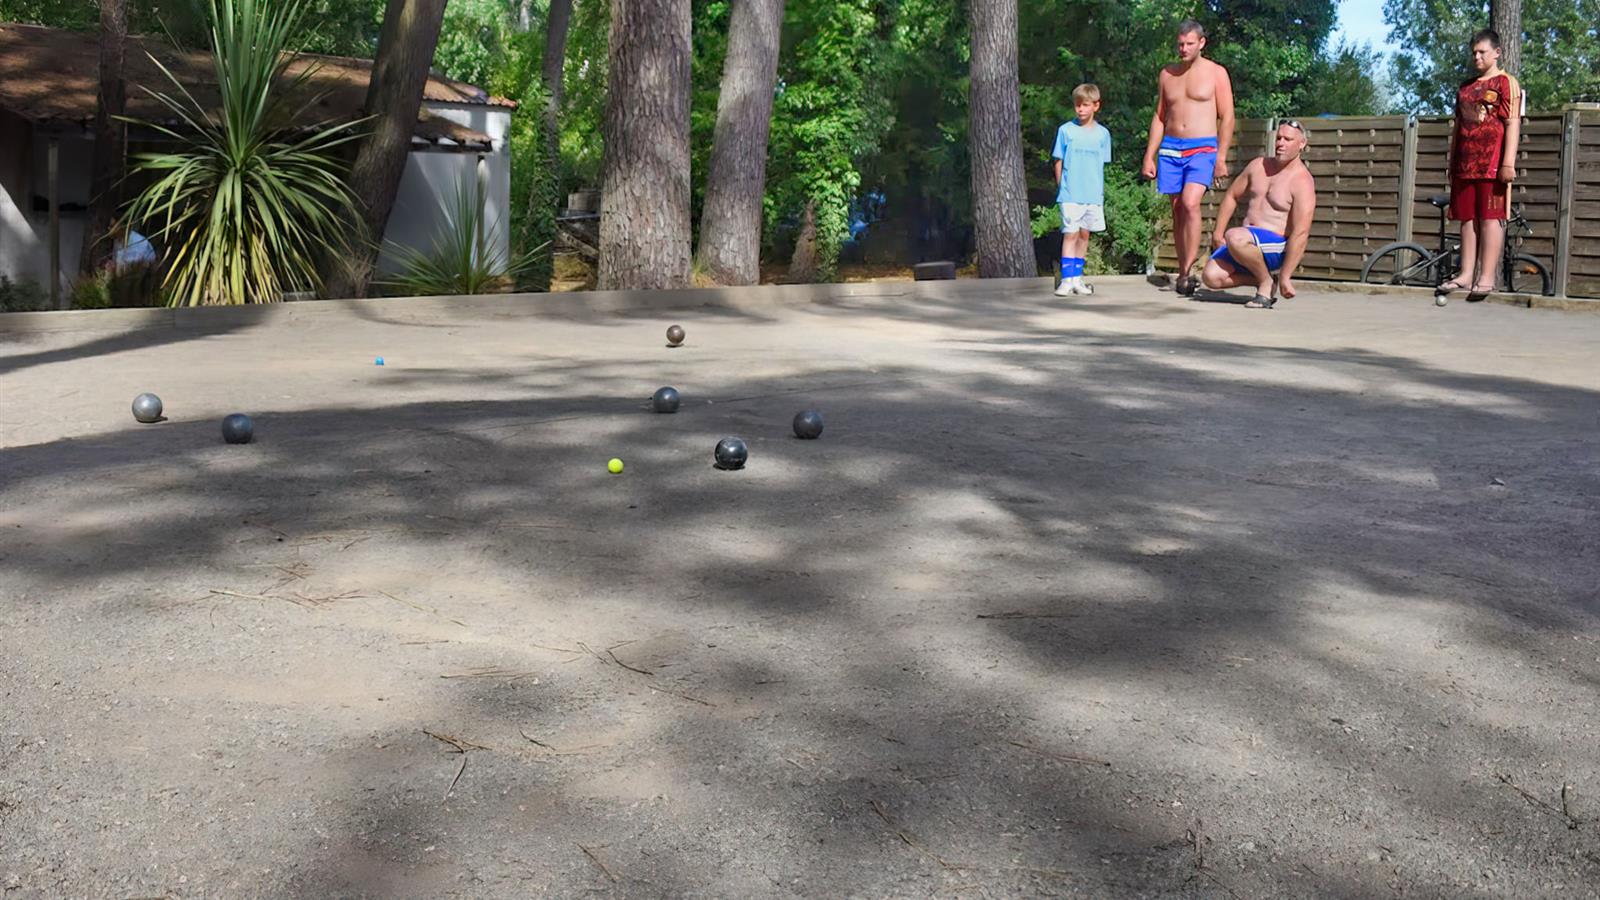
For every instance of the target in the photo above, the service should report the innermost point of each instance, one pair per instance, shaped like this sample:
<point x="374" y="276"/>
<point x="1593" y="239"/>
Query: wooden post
<point x="1408" y="180"/>
<point x="53" y="174"/>
<point x="1564" y="194"/>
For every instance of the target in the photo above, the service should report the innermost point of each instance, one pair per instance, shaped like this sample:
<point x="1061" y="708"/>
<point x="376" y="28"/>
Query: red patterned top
<point x="1483" y="106"/>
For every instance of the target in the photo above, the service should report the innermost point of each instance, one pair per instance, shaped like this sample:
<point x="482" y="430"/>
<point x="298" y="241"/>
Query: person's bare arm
<point x="1230" y="202"/>
<point x="1302" y="210"/>
<point x="1158" y="128"/>
<point x="1508" y="155"/>
<point x="1058" y="174"/>
<point x="1224" y="97"/>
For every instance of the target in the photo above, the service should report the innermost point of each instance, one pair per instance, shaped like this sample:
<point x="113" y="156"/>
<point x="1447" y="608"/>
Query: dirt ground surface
<point x="1122" y="596"/>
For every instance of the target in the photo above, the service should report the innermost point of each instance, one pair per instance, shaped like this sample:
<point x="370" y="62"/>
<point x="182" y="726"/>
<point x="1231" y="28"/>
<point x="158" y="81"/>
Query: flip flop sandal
<point x="1450" y="287"/>
<point x="1260" y="302"/>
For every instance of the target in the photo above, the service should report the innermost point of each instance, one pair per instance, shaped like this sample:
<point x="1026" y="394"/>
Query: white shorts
<point x="1087" y="216"/>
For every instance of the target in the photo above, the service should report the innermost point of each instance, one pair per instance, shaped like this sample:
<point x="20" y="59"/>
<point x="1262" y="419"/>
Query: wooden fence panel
<point x="1583" y="265"/>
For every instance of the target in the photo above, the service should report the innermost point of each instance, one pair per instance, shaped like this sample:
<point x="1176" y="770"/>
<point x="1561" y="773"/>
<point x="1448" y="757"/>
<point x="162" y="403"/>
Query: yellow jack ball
<point x="615" y="466"/>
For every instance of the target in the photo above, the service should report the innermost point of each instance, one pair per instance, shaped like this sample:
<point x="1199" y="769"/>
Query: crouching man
<point x="1279" y="197"/>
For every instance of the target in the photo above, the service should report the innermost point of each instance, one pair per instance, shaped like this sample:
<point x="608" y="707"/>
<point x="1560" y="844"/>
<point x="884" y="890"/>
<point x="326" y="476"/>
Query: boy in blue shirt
<point x="1083" y="148"/>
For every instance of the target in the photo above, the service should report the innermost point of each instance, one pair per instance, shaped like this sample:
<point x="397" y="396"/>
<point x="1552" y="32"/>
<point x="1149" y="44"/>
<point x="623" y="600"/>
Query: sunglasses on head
<point x="1292" y="123"/>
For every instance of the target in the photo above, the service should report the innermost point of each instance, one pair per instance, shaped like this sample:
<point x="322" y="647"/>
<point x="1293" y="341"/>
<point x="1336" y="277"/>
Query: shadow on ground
<point x="1149" y="617"/>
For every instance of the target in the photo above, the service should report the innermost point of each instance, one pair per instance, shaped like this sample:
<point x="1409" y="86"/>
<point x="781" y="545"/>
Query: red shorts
<point x="1478" y="199"/>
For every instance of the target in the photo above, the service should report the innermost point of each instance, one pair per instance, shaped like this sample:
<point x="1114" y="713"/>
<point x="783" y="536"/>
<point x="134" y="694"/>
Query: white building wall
<point x="432" y="177"/>
<point x="25" y="231"/>
<point x="426" y="190"/>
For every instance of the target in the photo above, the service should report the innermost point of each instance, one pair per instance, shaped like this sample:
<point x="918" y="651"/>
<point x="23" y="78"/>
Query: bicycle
<point x="1409" y="263"/>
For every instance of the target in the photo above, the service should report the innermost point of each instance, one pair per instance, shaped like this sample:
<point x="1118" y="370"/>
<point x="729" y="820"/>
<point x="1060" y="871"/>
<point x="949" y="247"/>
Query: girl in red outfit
<point x="1482" y="165"/>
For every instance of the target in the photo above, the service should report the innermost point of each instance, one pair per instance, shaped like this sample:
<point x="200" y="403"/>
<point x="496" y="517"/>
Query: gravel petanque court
<point x="1124" y="596"/>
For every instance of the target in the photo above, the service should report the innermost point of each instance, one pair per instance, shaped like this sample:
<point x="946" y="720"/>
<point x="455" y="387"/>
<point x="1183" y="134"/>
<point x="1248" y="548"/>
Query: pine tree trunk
<point x="110" y="147"/>
<point x="730" y="224"/>
<point x="999" y="193"/>
<point x="543" y="202"/>
<point x="1505" y="17"/>
<point x="394" y="97"/>
<point x="644" y="206"/>
<point x="803" y="263"/>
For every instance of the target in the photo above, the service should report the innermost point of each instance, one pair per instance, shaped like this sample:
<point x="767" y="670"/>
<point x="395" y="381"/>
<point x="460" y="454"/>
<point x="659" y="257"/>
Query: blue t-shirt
<point x="1084" y="153"/>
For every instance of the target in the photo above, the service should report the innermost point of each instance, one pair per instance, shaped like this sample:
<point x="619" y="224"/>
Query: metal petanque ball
<point x="665" y="400"/>
<point x="1440" y="300"/>
<point x="731" y="453"/>
<point x="147" y="408"/>
<point x="807" y="424"/>
<point x="674" y="335"/>
<point x="238" y="429"/>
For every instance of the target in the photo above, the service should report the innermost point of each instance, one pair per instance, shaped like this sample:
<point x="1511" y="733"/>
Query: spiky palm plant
<point x="466" y="257"/>
<point x="247" y="203"/>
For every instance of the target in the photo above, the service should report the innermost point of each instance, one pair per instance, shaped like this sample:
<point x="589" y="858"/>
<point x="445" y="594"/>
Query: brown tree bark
<point x="803" y="262"/>
<point x="999" y="193"/>
<point x="730" y="223"/>
<point x="394" y="97"/>
<point x="110" y="146"/>
<point x="1505" y="17"/>
<point x="644" y="207"/>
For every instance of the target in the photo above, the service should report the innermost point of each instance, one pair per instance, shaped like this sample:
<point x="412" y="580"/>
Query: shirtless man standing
<point x="1280" y="197"/>
<point x="1189" y="137"/>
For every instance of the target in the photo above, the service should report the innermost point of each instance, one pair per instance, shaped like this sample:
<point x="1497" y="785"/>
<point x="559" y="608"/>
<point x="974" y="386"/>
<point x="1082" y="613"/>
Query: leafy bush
<point x="466" y="257"/>
<point x="248" y="203"/>
<point x="132" y="285"/>
<point x="22" y="296"/>
<point x="1137" y="220"/>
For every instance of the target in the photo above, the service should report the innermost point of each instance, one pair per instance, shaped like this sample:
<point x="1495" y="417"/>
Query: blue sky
<point x="1362" y="21"/>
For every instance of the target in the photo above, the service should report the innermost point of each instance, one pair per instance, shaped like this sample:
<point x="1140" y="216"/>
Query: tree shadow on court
<point x="1142" y="619"/>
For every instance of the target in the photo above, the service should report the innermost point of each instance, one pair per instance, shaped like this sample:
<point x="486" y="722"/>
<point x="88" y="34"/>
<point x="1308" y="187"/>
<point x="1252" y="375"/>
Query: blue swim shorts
<point x="1271" y="244"/>
<point x="1182" y="161"/>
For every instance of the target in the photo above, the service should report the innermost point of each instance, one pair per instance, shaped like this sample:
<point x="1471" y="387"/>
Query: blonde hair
<point x="1084" y="92"/>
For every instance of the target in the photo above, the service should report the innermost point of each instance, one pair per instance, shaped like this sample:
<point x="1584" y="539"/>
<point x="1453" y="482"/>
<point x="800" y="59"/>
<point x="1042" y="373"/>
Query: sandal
<point x="1260" y="301"/>
<point x="1187" y="285"/>
<point x="1450" y="287"/>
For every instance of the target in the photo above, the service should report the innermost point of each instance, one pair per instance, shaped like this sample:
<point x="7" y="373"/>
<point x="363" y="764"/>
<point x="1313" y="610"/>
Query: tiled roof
<point x="51" y="75"/>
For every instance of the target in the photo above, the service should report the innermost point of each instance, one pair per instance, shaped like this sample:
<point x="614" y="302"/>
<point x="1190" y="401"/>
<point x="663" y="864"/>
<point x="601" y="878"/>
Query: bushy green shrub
<point x="22" y="296"/>
<point x="1137" y="220"/>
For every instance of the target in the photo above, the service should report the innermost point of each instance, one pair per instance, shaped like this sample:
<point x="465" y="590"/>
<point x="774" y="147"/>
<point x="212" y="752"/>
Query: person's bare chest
<point x="1197" y="85"/>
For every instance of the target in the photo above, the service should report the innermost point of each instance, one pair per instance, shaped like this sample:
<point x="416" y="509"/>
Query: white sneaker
<point x="1064" y="289"/>
<point x="1079" y="287"/>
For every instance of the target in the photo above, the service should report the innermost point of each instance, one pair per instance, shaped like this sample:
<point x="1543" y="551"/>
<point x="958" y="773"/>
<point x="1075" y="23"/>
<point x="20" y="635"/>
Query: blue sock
<point x="1066" y="267"/>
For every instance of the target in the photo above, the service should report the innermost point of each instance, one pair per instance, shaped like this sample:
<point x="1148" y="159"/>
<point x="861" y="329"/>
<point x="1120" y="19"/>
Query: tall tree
<point x="544" y="187"/>
<point x="730" y="224"/>
<point x="110" y="148"/>
<point x="644" y="204"/>
<point x="1505" y="17"/>
<point x="394" y="97"/>
<point x="999" y="192"/>
<point x="1559" y="64"/>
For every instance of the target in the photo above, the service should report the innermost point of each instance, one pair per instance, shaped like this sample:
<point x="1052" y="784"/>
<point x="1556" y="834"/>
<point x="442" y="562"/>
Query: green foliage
<point x="1560" y="50"/>
<point x="583" y="112"/>
<point x="129" y="285"/>
<point x="247" y="203"/>
<point x="1137" y="221"/>
<point x="466" y="257"/>
<point x="829" y="114"/>
<point x="26" y="295"/>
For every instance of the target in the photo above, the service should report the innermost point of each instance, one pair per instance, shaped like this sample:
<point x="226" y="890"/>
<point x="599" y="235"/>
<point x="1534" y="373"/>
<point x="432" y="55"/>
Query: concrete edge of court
<point x="752" y="299"/>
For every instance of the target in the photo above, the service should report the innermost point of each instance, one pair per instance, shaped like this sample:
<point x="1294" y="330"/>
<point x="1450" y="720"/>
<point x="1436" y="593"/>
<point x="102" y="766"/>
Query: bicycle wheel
<point x="1401" y="262"/>
<point x="1526" y="275"/>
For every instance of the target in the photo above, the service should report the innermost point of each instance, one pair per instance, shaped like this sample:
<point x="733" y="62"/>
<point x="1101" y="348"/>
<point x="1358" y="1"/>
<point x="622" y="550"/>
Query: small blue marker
<point x="378" y="361"/>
